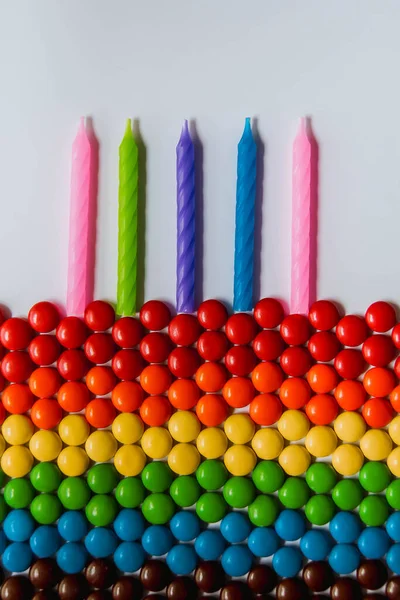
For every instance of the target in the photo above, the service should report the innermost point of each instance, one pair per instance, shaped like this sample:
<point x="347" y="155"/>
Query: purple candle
<point x="186" y="203"/>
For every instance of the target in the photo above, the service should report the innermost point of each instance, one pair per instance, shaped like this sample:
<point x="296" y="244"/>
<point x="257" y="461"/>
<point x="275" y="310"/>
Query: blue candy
<point x="393" y="526"/>
<point x="101" y="542"/>
<point x="129" y="557"/>
<point x="182" y="559"/>
<point x="237" y="560"/>
<point x="210" y="544"/>
<point x="287" y="561"/>
<point x="345" y="527"/>
<point x="344" y="558"/>
<point x="19" y="525"/>
<point x="235" y="527"/>
<point x="263" y="541"/>
<point x="71" y="557"/>
<point x="373" y="542"/>
<point x="17" y="557"/>
<point x="290" y="525"/>
<point x="393" y="559"/>
<point x="185" y="526"/>
<point x="157" y="540"/>
<point x="129" y="525"/>
<point x="316" y="544"/>
<point x="72" y="526"/>
<point x="45" y="541"/>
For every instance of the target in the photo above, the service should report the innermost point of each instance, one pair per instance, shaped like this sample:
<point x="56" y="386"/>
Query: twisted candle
<point x="185" y="268"/>
<point x="244" y="228"/>
<point x="301" y="220"/>
<point x="127" y="223"/>
<point x="77" y="284"/>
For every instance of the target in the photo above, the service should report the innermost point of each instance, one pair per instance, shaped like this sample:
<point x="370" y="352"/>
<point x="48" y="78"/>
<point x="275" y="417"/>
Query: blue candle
<point x="245" y="215"/>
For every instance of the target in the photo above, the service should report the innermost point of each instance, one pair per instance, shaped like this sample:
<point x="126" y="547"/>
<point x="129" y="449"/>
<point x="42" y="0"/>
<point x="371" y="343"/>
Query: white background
<point x="216" y="62"/>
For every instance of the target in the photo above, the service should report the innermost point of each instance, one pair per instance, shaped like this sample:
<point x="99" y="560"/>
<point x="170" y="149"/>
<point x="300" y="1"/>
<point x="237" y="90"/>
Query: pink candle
<point x="303" y="244"/>
<point x="78" y="287"/>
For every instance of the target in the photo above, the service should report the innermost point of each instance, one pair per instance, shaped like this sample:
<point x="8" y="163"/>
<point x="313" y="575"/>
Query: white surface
<point x="216" y="62"/>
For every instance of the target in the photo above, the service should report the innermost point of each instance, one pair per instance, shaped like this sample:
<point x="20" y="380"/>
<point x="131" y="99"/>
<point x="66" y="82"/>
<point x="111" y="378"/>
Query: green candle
<point x="127" y="223"/>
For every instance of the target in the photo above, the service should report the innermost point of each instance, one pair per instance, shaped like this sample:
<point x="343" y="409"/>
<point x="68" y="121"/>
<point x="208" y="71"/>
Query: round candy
<point x="73" y="396"/>
<point x="373" y="542"/>
<point x="239" y="492"/>
<point x="158" y="509"/>
<point x="46" y="413"/>
<point x="240" y="459"/>
<point x="295" y="361"/>
<point x="380" y="316"/>
<point x="287" y="561"/>
<point x="45" y="445"/>
<point x="157" y="476"/>
<point x="295" y="392"/>
<point x="182" y="559"/>
<point x="74" y="430"/>
<point x="102" y="479"/>
<point x="344" y="558"/>
<point x="129" y="525"/>
<point x="18" y="525"/>
<point x="350" y="395"/>
<point x="374" y="511"/>
<point x="211" y="410"/>
<point x="127" y="396"/>
<point x="349" y="426"/>
<point x="320" y="509"/>
<point x="210" y="544"/>
<point x="19" y="493"/>
<point x="129" y="460"/>
<point x="16" y="461"/>
<point x="101" y="510"/>
<point x="46" y="509"/>
<point x="294" y="460"/>
<point x="185" y="526"/>
<point x="263" y="511"/>
<point x="129" y="557"/>
<point x="265" y="409"/>
<point x="127" y="428"/>
<point x="44" y="574"/>
<point x="374" y="477"/>
<point x="156" y="442"/>
<point x="155" y="410"/>
<point x="322" y="409"/>
<point x="43" y="317"/>
<point x="99" y="315"/>
<point x="212" y="345"/>
<point x="45" y="541"/>
<point x="237" y="560"/>
<point x="267" y="377"/>
<point x="347" y="459"/>
<point x="394" y="430"/>
<point x="393" y="461"/>
<point x="345" y="527"/>
<point x="347" y="494"/>
<point x="393" y="526"/>
<point x="268" y="313"/>
<point x="293" y="425"/>
<point x="157" y="540"/>
<point x="211" y="507"/>
<point x="17" y="430"/>
<point x="321" y="441"/>
<point x="239" y="428"/>
<point x="183" y="459"/>
<point x="294" y="493"/>
<point x="318" y="576"/>
<point x="393" y="494"/>
<point x="321" y="478"/>
<point x="212" y="442"/>
<point x="17" y="557"/>
<point x="268" y="476"/>
<point x="211" y="475"/>
<point x="290" y="525"/>
<point x="72" y="526"/>
<point x="17" y="398"/>
<point x="323" y="315"/>
<point x="235" y="527"/>
<point x="72" y="461"/>
<point x="101" y="542"/>
<point x="74" y="493"/>
<point x="376" y="444"/>
<point x="263" y="541"/>
<point x="315" y="544"/>
<point x="71" y="557"/>
<point x="392" y="559"/>
<point x="212" y="314"/>
<point x="267" y="443"/>
<point x="130" y="492"/>
<point x="184" y="426"/>
<point x="185" y="491"/>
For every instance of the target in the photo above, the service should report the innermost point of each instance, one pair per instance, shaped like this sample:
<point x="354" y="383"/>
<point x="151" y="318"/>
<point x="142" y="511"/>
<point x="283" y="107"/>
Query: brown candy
<point x="235" y="590"/>
<point x="155" y="575"/>
<point x="73" y="587"/>
<point x="99" y="595"/>
<point x="44" y="573"/>
<point x="182" y="588"/>
<point x="16" y="588"/>
<point x="261" y="579"/>
<point x="46" y="595"/>
<point x="292" y="589"/>
<point x="346" y="589"/>
<point x="318" y="576"/>
<point x="393" y="588"/>
<point x="209" y="576"/>
<point x="372" y="574"/>
<point x="100" y="573"/>
<point x="127" y="588"/>
<point x="155" y="597"/>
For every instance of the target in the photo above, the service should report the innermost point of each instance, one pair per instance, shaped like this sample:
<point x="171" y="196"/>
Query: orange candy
<point x="44" y="382"/>
<point x="17" y="398"/>
<point x="350" y="395"/>
<point x="155" y="411"/>
<point x="212" y="410"/>
<point x="379" y="382"/>
<point x="155" y="379"/>
<point x="127" y="396"/>
<point x="100" y="380"/>
<point x="322" y="378"/>
<point x="322" y="409"/>
<point x="183" y="394"/>
<point x="377" y="412"/>
<point x="265" y="409"/>
<point x="100" y="413"/>
<point x="73" y="396"/>
<point x="267" y="377"/>
<point x="394" y="398"/>
<point x="295" y="392"/>
<point x="46" y="413"/>
<point x="238" y="392"/>
<point x="211" y="376"/>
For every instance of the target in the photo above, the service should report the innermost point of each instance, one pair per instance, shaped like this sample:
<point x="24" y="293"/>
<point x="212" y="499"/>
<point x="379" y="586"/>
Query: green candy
<point x="157" y="477"/>
<point x="320" y="509"/>
<point x="294" y="493"/>
<point x="393" y="494"/>
<point x="268" y="476"/>
<point x="18" y="493"/>
<point x="239" y="492"/>
<point x="263" y="511"/>
<point x="102" y="479"/>
<point x="45" y="477"/>
<point x="46" y="509"/>
<point x="101" y="510"/>
<point x="321" y="478"/>
<point x="74" y="493"/>
<point x="374" y="477"/>
<point x="185" y="491"/>
<point x="3" y="509"/>
<point x="211" y="507"/>
<point x="374" y="511"/>
<point x="158" y="508"/>
<point x="130" y="492"/>
<point x="347" y="494"/>
<point x="212" y="475"/>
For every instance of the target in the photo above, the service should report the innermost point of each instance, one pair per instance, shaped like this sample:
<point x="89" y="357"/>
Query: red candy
<point x="127" y="364"/>
<point x="268" y="345"/>
<point x="73" y="365"/>
<point x="295" y="330"/>
<point x="265" y="409"/>
<point x="155" y="315"/>
<point x="183" y="362"/>
<point x="295" y="361"/>
<point x="184" y="330"/>
<point x="44" y="349"/>
<point x="17" y="398"/>
<point x="155" y="347"/>
<point x="44" y="382"/>
<point x="17" y="366"/>
<point x="380" y="317"/>
<point x="352" y="330"/>
<point x="43" y="317"/>
<point x="323" y="315"/>
<point x="127" y="332"/>
<point x="212" y="345"/>
<point x="322" y="409"/>
<point x="15" y="334"/>
<point x="241" y="328"/>
<point x="212" y="314"/>
<point x="71" y="332"/>
<point x="155" y="379"/>
<point x="268" y="313"/>
<point x="46" y="413"/>
<point x="127" y="396"/>
<point x="377" y="412"/>
<point x="324" y="346"/>
<point x="378" y="350"/>
<point x="100" y="413"/>
<point x="100" y="380"/>
<point x="99" y="348"/>
<point x="240" y="360"/>
<point x="73" y="396"/>
<point x="396" y="335"/>
<point x="99" y="315"/>
<point x="155" y="411"/>
<point x="349" y="364"/>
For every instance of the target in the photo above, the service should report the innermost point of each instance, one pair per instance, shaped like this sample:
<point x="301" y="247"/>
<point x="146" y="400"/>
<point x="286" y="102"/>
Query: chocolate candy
<point x="372" y="574"/>
<point x="44" y="573"/>
<point x="126" y="588"/>
<point x="73" y="587"/>
<point x="235" y="590"/>
<point x="292" y="589"/>
<point x="45" y="595"/>
<point x="99" y="595"/>
<point x="16" y="588"/>
<point x="393" y="588"/>
<point x="209" y="576"/>
<point x="346" y="589"/>
<point x="318" y="576"/>
<point x="155" y="575"/>
<point x="100" y="573"/>
<point x="182" y="588"/>
<point x="261" y="579"/>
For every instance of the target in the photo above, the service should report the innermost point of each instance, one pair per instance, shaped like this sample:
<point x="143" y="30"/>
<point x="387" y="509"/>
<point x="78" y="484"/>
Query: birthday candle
<point x="186" y="204"/>
<point x="244" y="230"/>
<point x="301" y="220"/>
<point x="78" y="291"/>
<point x="127" y="223"/>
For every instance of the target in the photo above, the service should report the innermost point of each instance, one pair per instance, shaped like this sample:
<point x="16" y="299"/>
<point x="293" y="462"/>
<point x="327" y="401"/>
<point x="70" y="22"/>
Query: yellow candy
<point x="240" y="460"/>
<point x="184" y="459"/>
<point x="2" y="445"/>
<point x="129" y="460"/>
<point x="294" y="460"/>
<point x="127" y="428"/>
<point x="17" y="461"/>
<point x="239" y="428"/>
<point x="293" y="425"/>
<point x="393" y="461"/>
<point x="184" y="426"/>
<point x="17" y="430"/>
<point x="156" y="442"/>
<point x="45" y="445"/>
<point x="394" y="430"/>
<point x="74" y="430"/>
<point x="101" y="446"/>
<point x="349" y="427"/>
<point x="267" y="443"/>
<point x="347" y="459"/>
<point x="376" y="444"/>
<point x="321" y="441"/>
<point x="73" y="461"/>
<point x="212" y="442"/>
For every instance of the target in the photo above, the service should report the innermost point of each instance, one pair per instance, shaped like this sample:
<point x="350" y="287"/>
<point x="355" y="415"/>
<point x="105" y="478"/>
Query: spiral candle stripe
<point x="186" y="204"/>
<point x="244" y="232"/>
